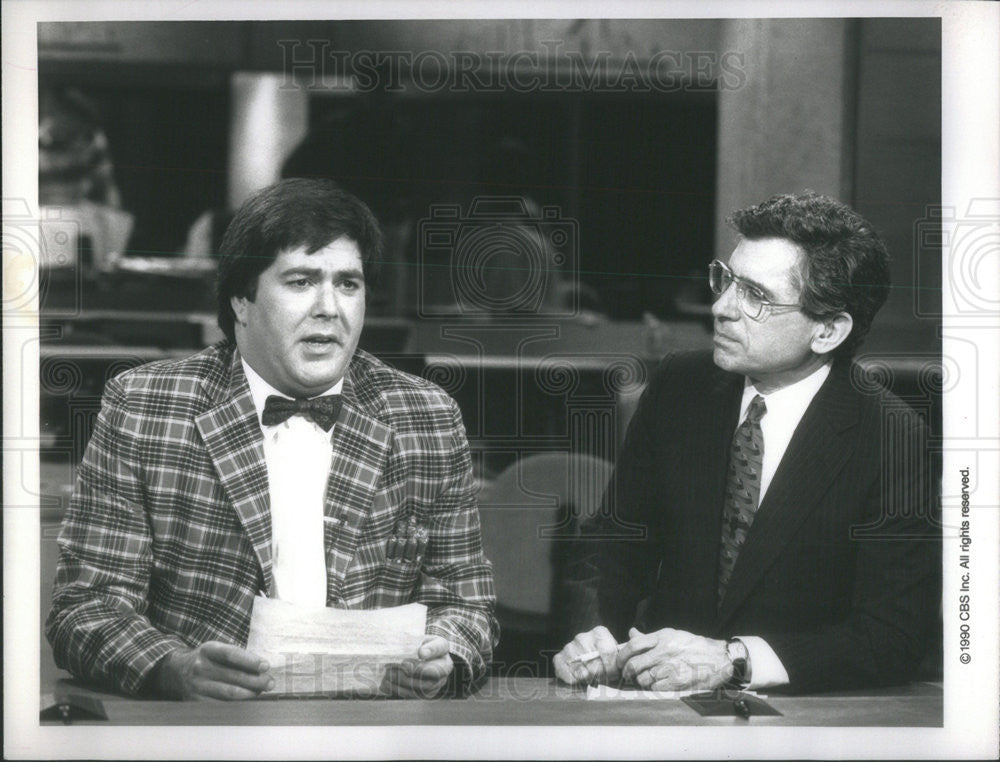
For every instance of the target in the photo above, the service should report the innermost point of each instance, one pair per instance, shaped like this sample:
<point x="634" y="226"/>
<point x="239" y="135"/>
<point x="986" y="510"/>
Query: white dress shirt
<point x="785" y="408"/>
<point x="298" y="454"/>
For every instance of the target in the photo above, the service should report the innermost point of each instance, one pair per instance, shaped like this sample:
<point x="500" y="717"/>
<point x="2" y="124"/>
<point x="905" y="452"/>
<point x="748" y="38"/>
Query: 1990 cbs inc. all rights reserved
<point x="964" y="599"/>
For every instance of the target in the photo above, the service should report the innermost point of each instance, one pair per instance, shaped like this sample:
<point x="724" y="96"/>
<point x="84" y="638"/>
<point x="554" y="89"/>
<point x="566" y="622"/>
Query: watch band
<point x="739" y="656"/>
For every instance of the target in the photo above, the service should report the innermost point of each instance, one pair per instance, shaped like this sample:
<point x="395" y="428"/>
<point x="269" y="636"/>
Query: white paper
<point x="330" y="650"/>
<point x="607" y="693"/>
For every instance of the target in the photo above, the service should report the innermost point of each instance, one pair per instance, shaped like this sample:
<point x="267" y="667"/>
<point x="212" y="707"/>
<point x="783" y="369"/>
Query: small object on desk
<point x="583" y="659"/>
<point x="723" y="703"/>
<point x="611" y="693"/>
<point x="588" y="656"/>
<point x="68" y="707"/>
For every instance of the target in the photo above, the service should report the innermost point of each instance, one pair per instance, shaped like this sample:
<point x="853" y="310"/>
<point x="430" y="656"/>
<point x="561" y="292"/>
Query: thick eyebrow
<point x="352" y="273"/>
<point x="315" y="272"/>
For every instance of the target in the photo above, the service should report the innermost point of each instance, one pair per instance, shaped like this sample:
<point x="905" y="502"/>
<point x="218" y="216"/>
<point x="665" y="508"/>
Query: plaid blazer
<point x="168" y="534"/>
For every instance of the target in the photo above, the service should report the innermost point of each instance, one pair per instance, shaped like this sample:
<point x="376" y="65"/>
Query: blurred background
<point x="551" y="193"/>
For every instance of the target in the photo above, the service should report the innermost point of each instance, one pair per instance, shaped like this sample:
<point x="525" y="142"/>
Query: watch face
<point x="738" y="655"/>
<point x="737" y="649"/>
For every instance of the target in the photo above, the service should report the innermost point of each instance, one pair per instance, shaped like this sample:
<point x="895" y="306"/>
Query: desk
<point x="527" y="701"/>
<point x="501" y="701"/>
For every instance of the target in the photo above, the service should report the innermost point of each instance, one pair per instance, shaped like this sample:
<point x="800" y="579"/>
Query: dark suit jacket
<point x="168" y="534"/>
<point x="840" y="572"/>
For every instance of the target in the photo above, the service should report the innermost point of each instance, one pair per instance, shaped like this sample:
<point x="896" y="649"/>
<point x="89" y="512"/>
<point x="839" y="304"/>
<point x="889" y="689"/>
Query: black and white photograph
<point x="522" y="380"/>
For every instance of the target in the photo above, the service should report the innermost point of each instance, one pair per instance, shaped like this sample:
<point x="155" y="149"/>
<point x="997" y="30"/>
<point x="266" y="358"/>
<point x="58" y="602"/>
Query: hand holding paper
<point x="426" y="675"/>
<point x="212" y="670"/>
<point x="342" y="651"/>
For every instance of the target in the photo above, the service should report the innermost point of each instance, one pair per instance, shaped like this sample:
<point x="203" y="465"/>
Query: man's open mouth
<point x="319" y="341"/>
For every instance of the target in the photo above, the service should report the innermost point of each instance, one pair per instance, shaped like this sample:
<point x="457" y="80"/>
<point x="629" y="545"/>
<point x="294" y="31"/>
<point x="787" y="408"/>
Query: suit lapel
<point x="815" y="455"/>
<point x="235" y="445"/>
<point x="718" y="424"/>
<point x="361" y="443"/>
<point x="706" y="464"/>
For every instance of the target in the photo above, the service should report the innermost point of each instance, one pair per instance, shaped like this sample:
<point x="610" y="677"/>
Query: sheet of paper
<point x="607" y="693"/>
<point x="330" y="650"/>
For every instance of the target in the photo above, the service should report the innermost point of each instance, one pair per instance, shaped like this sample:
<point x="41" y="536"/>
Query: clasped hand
<point x="665" y="660"/>
<point x="223" y="671"/>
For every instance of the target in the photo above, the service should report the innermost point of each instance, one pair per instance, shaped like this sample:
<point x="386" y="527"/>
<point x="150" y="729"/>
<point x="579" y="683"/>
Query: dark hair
<point x="845" y="265"/>
<point x="298" y="212"/>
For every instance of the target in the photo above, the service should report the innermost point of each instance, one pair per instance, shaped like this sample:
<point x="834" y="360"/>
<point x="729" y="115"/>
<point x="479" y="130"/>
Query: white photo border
<point x="970" y="161"/>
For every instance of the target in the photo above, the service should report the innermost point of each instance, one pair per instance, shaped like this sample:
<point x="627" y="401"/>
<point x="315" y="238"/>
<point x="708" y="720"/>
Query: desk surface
<point x="526" y="701"/>
<point x="501" y="701"/>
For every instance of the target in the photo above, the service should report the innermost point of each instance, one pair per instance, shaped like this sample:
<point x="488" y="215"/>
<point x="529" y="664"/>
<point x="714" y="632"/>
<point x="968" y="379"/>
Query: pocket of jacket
<point x="396" y="583"/>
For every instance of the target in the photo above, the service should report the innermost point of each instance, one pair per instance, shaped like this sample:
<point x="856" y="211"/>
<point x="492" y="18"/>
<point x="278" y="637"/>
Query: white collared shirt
<point x="785" y="408"/>
<point x="298" y="454"/>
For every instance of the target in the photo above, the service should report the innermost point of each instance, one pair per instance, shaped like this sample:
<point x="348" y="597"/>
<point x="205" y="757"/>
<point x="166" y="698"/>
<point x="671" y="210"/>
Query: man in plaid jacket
<point x="212" y="479"/>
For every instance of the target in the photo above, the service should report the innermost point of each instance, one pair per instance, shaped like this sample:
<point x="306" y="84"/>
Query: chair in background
<point x="531" y="514"/>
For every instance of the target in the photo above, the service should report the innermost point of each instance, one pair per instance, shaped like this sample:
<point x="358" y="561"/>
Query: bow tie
<point x="322" y="410"/>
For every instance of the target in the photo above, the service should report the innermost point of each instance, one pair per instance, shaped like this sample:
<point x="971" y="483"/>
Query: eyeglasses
<point x="751" y="298"/>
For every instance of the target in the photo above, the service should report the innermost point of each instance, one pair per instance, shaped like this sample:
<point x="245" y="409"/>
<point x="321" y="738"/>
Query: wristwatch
<point x="739" y="656"/>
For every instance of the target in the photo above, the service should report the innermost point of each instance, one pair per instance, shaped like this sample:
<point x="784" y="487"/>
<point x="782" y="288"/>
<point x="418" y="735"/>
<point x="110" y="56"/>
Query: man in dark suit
<point x="786" y="518"/>
<point x="282" y="460"/>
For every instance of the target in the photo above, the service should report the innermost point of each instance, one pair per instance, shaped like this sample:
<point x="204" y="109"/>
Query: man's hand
<point x="425" y="676"/>
<point x="212" y="670"/>
<point x="602" y="668"/>
<point x="674" y="660"/>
